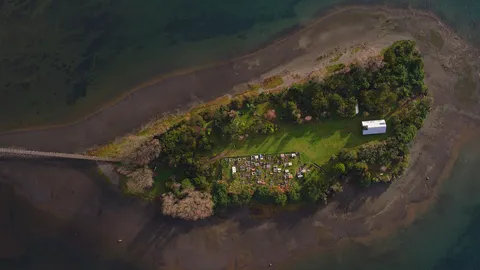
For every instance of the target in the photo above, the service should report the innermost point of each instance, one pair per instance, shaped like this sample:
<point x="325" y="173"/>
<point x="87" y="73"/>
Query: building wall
<point x="375" y="130"/>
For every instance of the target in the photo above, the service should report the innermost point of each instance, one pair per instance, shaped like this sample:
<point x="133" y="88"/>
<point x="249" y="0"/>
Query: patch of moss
<point x="336" y="67"/>
<point x="336" y="58"/>
<point x="356" y="50"/>
<point x="272" y="82"/>
<point x="253" y="86"/>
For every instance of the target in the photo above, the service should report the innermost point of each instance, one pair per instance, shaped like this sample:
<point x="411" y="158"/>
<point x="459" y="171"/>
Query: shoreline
<point x="276" y="41"/>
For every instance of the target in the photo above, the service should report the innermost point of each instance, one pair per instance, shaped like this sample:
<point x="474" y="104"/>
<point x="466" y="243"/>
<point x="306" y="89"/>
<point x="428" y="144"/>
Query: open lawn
<point x="316" y="142"/>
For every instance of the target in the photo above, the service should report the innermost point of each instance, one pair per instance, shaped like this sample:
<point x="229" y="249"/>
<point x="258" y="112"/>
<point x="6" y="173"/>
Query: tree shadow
<point x="152" y="240"/>
<point x="353" y="197"/>
<point x="51" y="240"/>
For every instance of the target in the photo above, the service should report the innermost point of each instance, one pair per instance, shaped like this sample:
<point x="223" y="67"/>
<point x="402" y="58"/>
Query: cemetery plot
<point x="273" y="170"/>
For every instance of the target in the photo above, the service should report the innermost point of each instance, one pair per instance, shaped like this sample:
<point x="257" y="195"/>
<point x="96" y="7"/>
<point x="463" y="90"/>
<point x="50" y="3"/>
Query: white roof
<point x="374" y="123"/>
<point x="234" y="170"/>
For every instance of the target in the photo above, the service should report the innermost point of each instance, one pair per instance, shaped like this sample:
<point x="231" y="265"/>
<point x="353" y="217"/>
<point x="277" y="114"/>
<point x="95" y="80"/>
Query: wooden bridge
<point x="31" y="153"/>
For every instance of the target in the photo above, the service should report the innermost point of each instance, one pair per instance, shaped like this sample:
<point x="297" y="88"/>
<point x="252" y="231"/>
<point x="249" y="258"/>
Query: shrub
<point x="272" y="82"/>
<point x="348" y="155"/>
<point x="405" y="133"/>
<point x="366" y="180"/>
<point x="337" y="187"/>
<point x="339" y="168"/>
<point x="263" y="194"/>
<point x="347" y="108"/>
<point x="360" y="167"/>
<point x="319" y="103"/>
<point x="336" y="67"/>
<point x="313" y="191"/>
<point x="201" y="182"/>
<point x="186" y="184"/>
<point x="241" y="198"/>
<point x="262" y="98"/>
<point x="293" y="192"/>
<point x="236" y="104"/>
<point x="139" y="180"/>
<point x="220" y="195"/>
<point x="196" y="120"/>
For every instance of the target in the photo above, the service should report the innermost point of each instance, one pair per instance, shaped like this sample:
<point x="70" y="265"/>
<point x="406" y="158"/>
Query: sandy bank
<point x="240" y="242"/>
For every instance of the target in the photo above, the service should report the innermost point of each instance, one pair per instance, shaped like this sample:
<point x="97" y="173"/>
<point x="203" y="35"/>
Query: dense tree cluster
<point x="392" y="85"/>
<point x="181" y="143"/>
<point x="234" y="124"/>
<point x="376" y="88"/>
<point x="191" y="205"/>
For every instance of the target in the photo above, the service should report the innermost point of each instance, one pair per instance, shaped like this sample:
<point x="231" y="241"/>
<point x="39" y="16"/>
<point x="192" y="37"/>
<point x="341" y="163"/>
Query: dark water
<point x="62" y="59"/>
<point x="446" y="238"/>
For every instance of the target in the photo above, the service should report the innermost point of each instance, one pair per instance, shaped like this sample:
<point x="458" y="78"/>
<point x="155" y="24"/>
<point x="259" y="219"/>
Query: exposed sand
<point x="240" y="242"/>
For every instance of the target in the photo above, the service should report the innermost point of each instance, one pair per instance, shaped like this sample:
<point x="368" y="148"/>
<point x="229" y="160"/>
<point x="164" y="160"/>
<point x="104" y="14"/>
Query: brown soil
<point x="240" y="242"/>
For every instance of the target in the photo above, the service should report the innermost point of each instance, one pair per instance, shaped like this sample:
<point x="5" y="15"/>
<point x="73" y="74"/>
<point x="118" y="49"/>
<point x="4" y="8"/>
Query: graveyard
<point x="264" y="169"/>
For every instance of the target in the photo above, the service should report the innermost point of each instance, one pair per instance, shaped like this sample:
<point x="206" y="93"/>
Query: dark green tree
<point x="319" y="103"/>
<point x="280" y="197"/>
<point x="186" y="184"/>
<point x="294" y="192"/>
<point x="242" y="198"/>
<point x="264" y="194"/>
<point x="313" y="191"/>
<point x="347" y="155"/>
<point x="220" y="195"/>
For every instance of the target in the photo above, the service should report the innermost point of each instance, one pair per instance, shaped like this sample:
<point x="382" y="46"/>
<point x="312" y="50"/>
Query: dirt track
<point x="239" y="242"/>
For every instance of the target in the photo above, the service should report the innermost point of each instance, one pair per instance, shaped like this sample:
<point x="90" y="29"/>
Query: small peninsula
<point x="287" y="146"/>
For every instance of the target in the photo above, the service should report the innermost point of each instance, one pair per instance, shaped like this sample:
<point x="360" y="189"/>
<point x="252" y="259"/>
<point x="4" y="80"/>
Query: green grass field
<point x="316" y="142"/>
